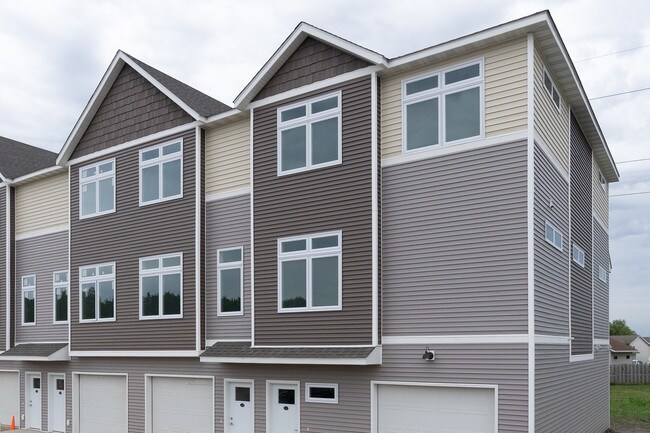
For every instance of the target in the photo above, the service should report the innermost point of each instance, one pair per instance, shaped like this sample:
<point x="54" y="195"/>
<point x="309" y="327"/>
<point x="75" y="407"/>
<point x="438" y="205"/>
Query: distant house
<point x="620" y="352"/>
<point x="641" y="344"/>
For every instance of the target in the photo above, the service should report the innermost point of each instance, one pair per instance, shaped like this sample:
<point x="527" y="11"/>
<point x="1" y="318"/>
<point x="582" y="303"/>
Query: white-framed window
<point x="602" y="181"/>
<point x="309" y="134"/>
<point x="602" y="274"/>
<point x="230" y="281"/>
<point x="553" y="236"/>
<point x="444" y="107"/>
<point x="60" y="292"/>
<point x="97" y="293"/>
<point x="161" y="287"/>
<point x="309" y="272"/>
<point x="29" y="300"/>
<point x="97" y="189"/>
<point x="161" y="172"/>
<point x="551" y="89"/>
<point x="322" y="393"/>
<point x="578" y="255"/>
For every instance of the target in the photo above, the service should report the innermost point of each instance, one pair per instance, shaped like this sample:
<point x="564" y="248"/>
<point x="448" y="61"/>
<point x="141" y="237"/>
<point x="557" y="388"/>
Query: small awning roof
<point x="37" y="352"/>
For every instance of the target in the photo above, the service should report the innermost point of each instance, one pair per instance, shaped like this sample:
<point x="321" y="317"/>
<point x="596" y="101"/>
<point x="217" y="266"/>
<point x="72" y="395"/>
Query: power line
<point x="630" y="193"/>
<point x="633" y="160"/>
<point x="611" y="54"/>
<point x="619" y="94"/>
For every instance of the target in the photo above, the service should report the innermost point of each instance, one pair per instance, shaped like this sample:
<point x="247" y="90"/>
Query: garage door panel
<point x="182" y="404"/>
<point x="9" y="397"/>
<point x="102" y="404"/>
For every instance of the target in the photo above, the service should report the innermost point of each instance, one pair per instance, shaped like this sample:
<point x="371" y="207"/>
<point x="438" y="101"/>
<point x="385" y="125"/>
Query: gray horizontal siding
<point x="601" y="289"/>
<point x="3" y="267"/>
<point x="41" y="256"/>
<point x="551" y="265"/>
<point x="227" y="225"/>
<point x="454" y="244"/>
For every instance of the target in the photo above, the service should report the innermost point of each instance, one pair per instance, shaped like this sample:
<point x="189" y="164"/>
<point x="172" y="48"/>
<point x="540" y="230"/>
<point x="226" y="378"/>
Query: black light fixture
<point x="429" y="355"/>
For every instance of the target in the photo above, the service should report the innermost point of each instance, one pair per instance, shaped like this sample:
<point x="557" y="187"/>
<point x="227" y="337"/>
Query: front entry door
<point x="56" y="402"/>
<point x="284" y="408"/>
<point x="33" y="391"/>
<point x="240" y="407"/>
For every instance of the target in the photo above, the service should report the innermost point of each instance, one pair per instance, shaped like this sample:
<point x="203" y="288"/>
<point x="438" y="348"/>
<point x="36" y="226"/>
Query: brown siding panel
<point x="3" y="267"/>
<point x="601" y="289"/>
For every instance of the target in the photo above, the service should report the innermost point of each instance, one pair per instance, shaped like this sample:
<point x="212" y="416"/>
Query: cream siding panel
<point x="505" y="93"/>
<point x="550" y="124"/>
<point x="42" y="204"/>
<point x="227" y="157"/>
<point x="600" y="196"/>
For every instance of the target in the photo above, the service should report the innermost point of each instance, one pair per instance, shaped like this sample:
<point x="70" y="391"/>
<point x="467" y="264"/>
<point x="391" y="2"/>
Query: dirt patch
<point x="629" y="429"/>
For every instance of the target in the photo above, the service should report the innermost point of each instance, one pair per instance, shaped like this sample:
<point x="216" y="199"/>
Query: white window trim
<point x="309" y="399"/>
<point x="231" y="265"/>
<point x="55" y="286"/>
<point x="159" y="273"/>
<point x="553" y="87"/>
<point x="308" y="120"/>
<point x="97" y="279"/>
<point x="308" y="255"/>
<point x="95" y="179"/>
<point x="602" y="274"/>
<point x="159" y="161"/>
<point x="441" y="92"/>
<point x="23" y="290"/>
<point x="602" y="181"/>
<point x="555" y="230"/>
<point x="577" y="260"/>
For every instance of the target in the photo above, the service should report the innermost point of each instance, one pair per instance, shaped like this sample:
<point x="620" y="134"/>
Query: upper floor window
<point x="551" y="89"/>
<point x="161" y="172"/>
<point x="578" y="255"/>
<point x="309" y="272"/>
<point x="309" y="134"/>
<point x="97" y="189"/>
<point x="60" y="284"/>
<point x="602" y="181"/>
<point x="553" y="236"/>
<point x="444" y="107"/>
<point x="97" y="284"/>
<point x="230" y="281"/>
<point x="161" y="286"/>
<point x="29" y="300"/>
<point x="602" y="274"/>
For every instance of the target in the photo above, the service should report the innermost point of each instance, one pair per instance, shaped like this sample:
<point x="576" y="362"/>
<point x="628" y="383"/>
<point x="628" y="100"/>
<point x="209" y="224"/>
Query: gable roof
<point x="625" y="339"/>
<point x="19" y="159"/>
<point x="619" y="346"/>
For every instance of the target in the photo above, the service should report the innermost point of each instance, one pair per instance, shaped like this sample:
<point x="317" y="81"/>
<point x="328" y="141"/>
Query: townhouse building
<point x="359" y="244"/>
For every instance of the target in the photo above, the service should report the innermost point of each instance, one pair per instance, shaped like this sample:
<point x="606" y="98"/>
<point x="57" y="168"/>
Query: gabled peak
<point x="19" y="159"/>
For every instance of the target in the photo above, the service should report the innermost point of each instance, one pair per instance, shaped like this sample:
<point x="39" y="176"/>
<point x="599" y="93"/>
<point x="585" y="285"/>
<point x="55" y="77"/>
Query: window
<point x="551" y="89"/>
<point x="553" y="236"/>
<point x="97" y="294"/>
<point x="230" y="281"/>
<point x="602" y="274"/>
<point x="578" y="255"/>
<point x="161" y="286"/>
<point x="627" y="356"/>
<point x="615" y="357"/>
<point x="443" y="107"/>
<point x="161" y="173"/>
<point x="309" y="272"/>
<point x="309" y="134"/>
<point x="602" y="180"/>
<point x="60" y="284"/>
<point x="29" y="300"/>
<point x="97" y="189"/>
<point x="322" y="393"/>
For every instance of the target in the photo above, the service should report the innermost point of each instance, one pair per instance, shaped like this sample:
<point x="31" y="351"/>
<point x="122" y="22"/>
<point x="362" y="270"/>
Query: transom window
<point x="97" y="284"/>
<point x="443" y="107"/>
<point x="97" y="189"/>
<point x="602" y="274"/>
<point x="309" y="134"/>
<point x="551" y="89"/>
<point x="322" y="393"/>
<point x="161" y="172"/>
<point x="553" y="236"/>
<point x="60" y="284"/>
<point x="29" y="300"/>
<point x="309" y="272"/>
<point x="161" y="286"/>
<point x="578" y="255"/>
<point x="230" y="281"/>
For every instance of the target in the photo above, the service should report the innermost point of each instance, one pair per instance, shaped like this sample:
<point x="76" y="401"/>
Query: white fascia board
<point x="371" y="360"/>
<point x="37" y="174"/>
<point x="134" y="353"/>
<point x="225" y="116"/>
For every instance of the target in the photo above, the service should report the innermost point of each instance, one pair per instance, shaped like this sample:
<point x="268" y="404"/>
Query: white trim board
<point x="135" y="353"/>
<point x="392" y="340"/>
<point x="237" y="192"/>
<point x="42" y="232"/>
<point x="551" y="156"/>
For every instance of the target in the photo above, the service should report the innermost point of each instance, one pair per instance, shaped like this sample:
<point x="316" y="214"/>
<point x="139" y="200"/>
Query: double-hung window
<point x="97" y="293"/>
<point x="230" y="281"/>
<point x="553" y="236"/>
<point x="602" y="274"/>
<point x="443" y="107"/>
<point x="161" y="172"/>
<point x="60" y="284"/>
<point x="161" y="287"/>
<point x="551" y="89"/>
<point x="29" y="299"/>
<point x="309" y="272"/>
<point x="97" y="189"/>
<point x="309" y="134"/>
<point x="578" y="255"/>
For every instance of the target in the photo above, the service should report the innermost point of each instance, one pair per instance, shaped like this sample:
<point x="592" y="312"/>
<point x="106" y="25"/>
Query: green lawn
<point x="630" y="406"/>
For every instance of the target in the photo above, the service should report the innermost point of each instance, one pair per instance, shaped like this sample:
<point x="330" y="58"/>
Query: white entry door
<point x="33" y="409"/>
<point x="239" y="400"/>
<point x="56" y="402"/>
<point x="284" y="407"/>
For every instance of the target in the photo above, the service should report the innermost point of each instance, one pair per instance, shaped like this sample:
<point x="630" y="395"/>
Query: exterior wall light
<point x="428" y="355"/>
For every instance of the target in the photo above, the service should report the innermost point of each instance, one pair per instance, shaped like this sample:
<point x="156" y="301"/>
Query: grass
<point x="630" y="406"/>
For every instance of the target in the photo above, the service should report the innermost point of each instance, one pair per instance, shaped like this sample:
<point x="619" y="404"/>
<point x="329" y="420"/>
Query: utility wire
<point x="611" y="54"/>
<point x="633" y="160"/>
<point x="630" y="193"/>
<point x="619" y="94"/>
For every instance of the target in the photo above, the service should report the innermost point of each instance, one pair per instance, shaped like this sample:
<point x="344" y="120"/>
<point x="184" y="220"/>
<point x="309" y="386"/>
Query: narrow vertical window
<point x="29" y="300"/>
<point x="161" y="173"/>
<point x="553" y="236"/>
<point x="230" y="281"/>
<point x="161" y="287"/>
<point x="552" y="90"/>
<point x="60" y="285"/>
<point x="578" y="255"/>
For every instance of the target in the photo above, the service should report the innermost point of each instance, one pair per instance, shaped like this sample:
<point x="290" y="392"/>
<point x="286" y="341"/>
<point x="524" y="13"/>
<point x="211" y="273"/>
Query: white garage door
<point x="425" y="409"/>
<point x="9" y="397"/>
<point x="102" y="404"/>
<point x="182" y="405"/>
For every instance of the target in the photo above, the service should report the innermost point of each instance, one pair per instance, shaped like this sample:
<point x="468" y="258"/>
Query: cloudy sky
<point x="53" y="54"/>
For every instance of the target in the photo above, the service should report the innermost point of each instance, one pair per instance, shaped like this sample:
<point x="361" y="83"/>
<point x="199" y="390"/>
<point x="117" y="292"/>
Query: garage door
<point x="9" y="397"/>
<point x="102" y="404"/>
<point x="424" y="409"/>
<point x="182" y="405"/>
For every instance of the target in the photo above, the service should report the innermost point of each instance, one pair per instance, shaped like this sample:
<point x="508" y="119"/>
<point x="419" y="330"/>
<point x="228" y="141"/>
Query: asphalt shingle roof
<point x="37" y="349"/>
<point x="625" y="339"/>
<point x="619" y="346"/>
<point x="244" y="350"/>
<point x="18" y="159"/>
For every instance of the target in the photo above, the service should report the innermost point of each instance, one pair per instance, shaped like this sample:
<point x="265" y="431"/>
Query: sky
<point x="54" y="53"/>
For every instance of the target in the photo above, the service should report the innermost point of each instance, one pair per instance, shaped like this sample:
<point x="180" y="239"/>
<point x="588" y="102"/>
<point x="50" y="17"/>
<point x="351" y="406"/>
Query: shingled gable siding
<point x="601" y="289"/>
<point x="454" y="244"/>
<point x="581" y="226"/>
<point x="332" y="198"/>
<point x="133" y="108"/>
<point x="311" y="62"/>
<point x="125" y="236"/>
<point x="3" y="267"/>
